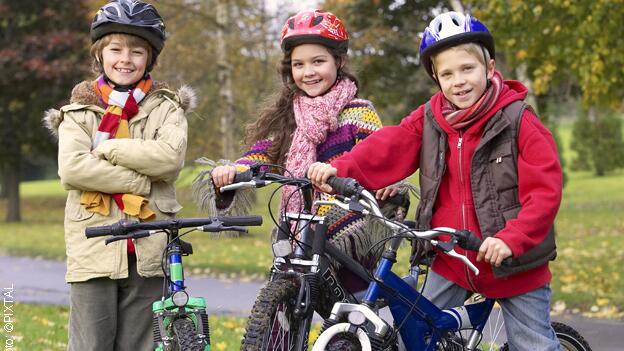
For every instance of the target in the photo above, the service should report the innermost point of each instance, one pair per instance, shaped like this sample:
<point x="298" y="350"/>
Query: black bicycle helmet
<point x="130" y="17"/>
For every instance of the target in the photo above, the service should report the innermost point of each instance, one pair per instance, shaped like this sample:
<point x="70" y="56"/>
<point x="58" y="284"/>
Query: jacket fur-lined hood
<point x="84" y="94"/>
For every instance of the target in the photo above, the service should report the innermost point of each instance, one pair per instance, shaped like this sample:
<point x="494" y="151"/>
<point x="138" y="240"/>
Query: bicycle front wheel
<point x="272" y="325"/>
<point x="185" y="335"/>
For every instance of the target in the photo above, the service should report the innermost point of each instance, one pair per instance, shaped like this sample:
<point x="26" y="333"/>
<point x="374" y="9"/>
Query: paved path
<point x="42" y="281"/>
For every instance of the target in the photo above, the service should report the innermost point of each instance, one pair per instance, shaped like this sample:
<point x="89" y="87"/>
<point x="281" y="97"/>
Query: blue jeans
<point x="527" y="316"/>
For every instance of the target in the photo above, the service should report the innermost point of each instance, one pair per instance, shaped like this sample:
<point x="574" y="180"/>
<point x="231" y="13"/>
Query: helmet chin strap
<point x="488" y="81"/>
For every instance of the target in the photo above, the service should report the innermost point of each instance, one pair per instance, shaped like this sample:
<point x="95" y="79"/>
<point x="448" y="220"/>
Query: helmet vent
<point x="317" y="20"/>
<point x="455" y="22"/>
<point x="291" y="24"/>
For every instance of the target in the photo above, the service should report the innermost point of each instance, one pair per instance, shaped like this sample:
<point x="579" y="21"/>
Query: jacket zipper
<point x="463" y="206"/>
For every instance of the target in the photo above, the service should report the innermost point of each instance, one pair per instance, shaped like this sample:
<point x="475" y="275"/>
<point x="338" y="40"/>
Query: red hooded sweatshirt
<point x="393" y="153"/>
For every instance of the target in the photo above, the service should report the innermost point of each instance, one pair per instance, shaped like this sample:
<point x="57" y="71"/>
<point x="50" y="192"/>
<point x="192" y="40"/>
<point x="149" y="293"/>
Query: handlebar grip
<point x="240" y="220"/>
<point x="243" y="176"/>
<point x="469" y="241"/>
<point x="93" y="232"/>
<point x="344" y="186"/>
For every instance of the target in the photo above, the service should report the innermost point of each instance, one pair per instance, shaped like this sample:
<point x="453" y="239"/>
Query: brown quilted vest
<point x="494" y="180"/>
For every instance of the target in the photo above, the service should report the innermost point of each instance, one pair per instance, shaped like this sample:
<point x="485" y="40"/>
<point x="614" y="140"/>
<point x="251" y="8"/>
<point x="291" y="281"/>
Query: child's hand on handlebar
<point x="493" y="251"/>
<point x="223" y="175"/>
<point x="318" y="173"/>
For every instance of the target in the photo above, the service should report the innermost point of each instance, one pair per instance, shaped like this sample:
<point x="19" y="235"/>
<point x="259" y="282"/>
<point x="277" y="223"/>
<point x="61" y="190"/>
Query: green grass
<point x="44" y="328"/>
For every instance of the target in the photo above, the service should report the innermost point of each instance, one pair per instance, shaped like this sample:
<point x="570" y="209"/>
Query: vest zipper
<point x="461" y="180"/>
<point x="463" y="206"/>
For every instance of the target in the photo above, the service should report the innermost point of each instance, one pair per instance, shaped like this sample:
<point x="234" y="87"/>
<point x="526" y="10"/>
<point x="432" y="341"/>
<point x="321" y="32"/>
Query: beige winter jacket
<point x="146" y="164"/>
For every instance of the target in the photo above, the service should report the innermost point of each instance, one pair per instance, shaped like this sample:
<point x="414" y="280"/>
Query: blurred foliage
<point x="597" y="142"/>
<point x="570" y="51"/>
<point x="384" y="45"/>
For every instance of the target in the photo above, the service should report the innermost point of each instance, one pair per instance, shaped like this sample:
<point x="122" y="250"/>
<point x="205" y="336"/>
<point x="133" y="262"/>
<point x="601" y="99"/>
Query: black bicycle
<point x="301" y="275"/>
<point x="180" y="322"/>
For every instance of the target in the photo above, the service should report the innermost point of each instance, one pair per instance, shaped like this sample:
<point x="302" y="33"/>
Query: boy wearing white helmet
<point x="487" y="164"/>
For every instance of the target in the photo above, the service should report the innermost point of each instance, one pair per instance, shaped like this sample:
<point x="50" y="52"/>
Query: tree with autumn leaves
<point x="571" y="48"/>
<point x="43" y="53"/>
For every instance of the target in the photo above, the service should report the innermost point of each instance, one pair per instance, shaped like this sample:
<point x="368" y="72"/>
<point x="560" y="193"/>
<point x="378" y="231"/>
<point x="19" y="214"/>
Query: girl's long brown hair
<point x="277" y="119"/>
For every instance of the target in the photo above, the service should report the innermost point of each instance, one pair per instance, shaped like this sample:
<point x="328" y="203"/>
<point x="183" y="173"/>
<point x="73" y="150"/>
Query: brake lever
<point x="218" y="226"/>
<point x="133" y="235"/>
<point x="448" y="248"/>
<point x="242" y="185"/>
<point x="352" y="206"/>
<point x="464" y="259"/>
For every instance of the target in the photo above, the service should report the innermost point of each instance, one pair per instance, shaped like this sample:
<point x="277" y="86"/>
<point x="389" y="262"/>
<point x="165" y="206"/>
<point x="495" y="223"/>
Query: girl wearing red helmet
<point x="315" y="117"/>
<point x="122" y="143"/>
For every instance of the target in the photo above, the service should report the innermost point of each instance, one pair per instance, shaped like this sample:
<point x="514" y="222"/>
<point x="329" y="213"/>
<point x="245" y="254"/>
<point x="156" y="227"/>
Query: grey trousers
<point x="113" y="315"/>
<point x="526" y="316"/>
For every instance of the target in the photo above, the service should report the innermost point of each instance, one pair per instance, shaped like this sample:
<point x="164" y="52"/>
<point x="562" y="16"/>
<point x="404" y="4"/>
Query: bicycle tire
<point x="272" y="325"/>
<point x="570" y="339"/>
<point x="344" y="342"/>
<point x="185" y="335"/>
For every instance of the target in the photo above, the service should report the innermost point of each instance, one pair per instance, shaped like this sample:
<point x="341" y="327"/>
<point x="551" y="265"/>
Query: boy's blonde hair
<point x="476" y="50"/>
<point x="125" y="39"/>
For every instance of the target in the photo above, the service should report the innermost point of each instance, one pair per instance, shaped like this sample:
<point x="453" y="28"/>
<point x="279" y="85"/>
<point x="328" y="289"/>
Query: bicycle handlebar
<point x="136" y="228"/>
<point x="462" y="238"/>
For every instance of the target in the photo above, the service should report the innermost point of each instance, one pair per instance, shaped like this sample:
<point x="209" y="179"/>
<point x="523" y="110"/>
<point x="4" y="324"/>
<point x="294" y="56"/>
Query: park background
<point x="569" y="54"/>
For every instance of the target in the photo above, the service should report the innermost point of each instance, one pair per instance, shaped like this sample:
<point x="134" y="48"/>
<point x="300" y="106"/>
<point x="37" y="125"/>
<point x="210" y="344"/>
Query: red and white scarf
<point x="316" y="117"/>
<point x="121" y="106"/>
<point x="460" y="119"/>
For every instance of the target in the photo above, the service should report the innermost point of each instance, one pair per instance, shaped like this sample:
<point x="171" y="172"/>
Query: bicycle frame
<point x="422" y="323"/>
<point x="166" y="310"/>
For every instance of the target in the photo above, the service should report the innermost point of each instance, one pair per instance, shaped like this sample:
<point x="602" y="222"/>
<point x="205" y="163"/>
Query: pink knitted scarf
<point x="315" y="117"/>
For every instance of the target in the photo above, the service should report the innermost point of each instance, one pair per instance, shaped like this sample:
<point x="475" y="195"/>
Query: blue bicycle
<point x="418" y="323"/>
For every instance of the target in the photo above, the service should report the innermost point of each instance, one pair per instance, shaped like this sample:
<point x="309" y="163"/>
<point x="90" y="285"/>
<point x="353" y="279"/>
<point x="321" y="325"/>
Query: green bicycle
<point x="180" y="322"/>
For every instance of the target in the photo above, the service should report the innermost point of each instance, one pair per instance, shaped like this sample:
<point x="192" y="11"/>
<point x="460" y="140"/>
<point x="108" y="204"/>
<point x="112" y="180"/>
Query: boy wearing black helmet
<point x="122" y="142"/>
<point x="486" y="164"/>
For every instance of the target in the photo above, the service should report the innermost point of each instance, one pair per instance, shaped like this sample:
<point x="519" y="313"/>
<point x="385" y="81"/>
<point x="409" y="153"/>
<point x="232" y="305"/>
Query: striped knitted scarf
<point x="459" y="119"/>
<point x="315" y="117"/>
<point x="121" y="106"/>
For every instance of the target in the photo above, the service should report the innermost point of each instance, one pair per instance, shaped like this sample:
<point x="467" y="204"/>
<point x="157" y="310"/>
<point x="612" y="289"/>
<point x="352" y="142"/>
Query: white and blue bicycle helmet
<point x="451" y="29"/>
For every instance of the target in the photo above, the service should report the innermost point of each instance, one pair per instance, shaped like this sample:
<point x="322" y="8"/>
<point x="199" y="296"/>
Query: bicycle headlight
<point x="180" y="298"/>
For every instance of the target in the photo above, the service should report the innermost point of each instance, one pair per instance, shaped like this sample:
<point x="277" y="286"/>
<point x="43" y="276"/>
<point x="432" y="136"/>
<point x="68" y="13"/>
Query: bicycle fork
<point x="176" y="305"/>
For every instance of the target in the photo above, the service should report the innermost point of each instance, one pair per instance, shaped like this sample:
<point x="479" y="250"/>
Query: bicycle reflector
<point x="180" y="298"/>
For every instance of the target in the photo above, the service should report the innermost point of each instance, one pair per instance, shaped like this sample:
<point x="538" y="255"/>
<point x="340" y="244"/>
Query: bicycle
<point x="180" y="322"/>
<point x="420" y="324"/>
<point x="282" y="314"/>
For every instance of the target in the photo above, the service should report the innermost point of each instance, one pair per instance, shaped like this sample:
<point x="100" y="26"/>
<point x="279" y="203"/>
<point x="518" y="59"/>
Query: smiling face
<point x="462" y="75"/>
<point x="124" y="64"/>
<point x="314" y="68"/>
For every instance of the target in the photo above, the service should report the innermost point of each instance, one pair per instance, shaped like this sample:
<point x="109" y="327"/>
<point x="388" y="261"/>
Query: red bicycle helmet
<point x="315" y="27"/>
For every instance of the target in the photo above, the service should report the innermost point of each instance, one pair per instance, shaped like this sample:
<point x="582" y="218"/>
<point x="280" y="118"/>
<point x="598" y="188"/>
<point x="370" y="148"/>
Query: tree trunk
<point x="597" y="159"/>
<point x="457" y="6"/>
<point x="3" y="185"/>
<point x="11" y="179"/>
<point x="225" y="80"/>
